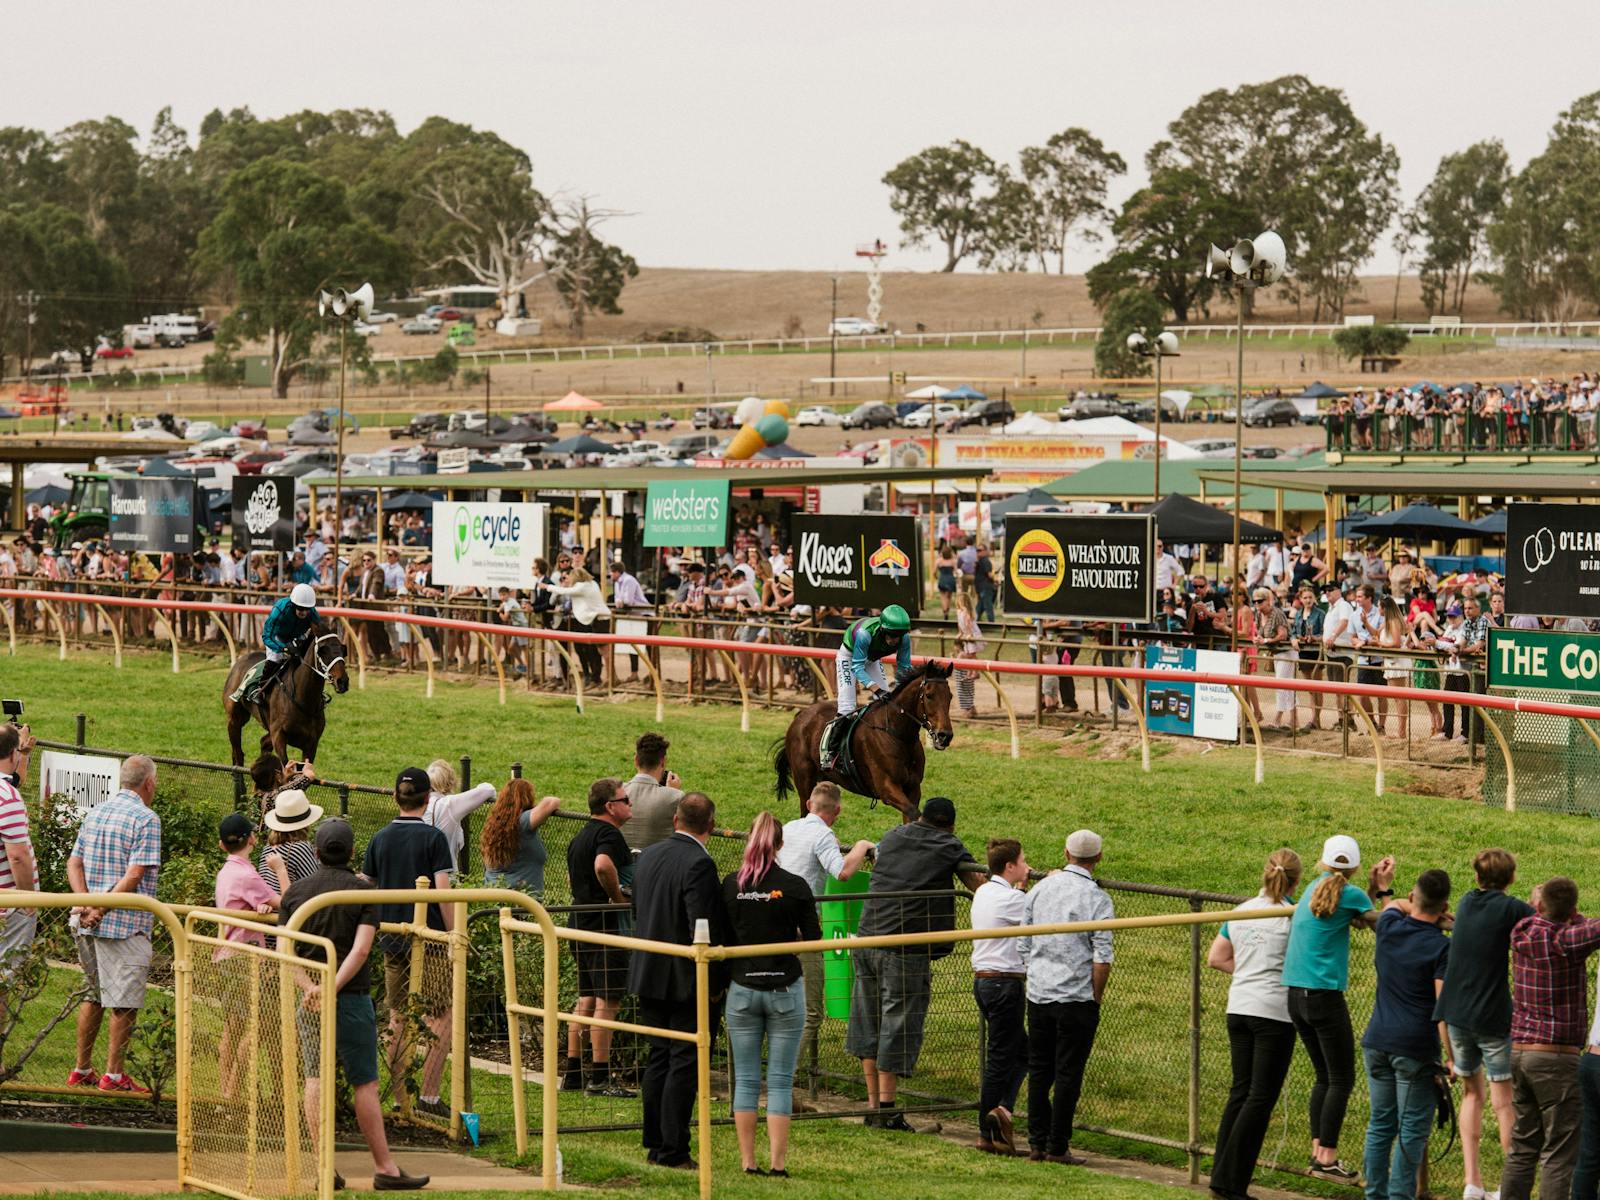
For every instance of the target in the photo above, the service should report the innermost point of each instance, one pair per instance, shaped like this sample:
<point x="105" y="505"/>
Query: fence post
<point x="82" y="735"/>
<point x="1194" y="1045"/>
<point x="516" y="770"/>
<point x="238" y="790"/>
<point x="466" y="821"/>
<point x="344" y="799"/>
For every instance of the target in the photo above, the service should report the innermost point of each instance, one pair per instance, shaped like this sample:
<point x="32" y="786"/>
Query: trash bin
<point x="840" y="921"/>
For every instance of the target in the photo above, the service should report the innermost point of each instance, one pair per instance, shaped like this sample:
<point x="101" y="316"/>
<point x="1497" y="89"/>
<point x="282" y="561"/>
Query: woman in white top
<point x="1260" y="1034"/>
<point x="449" y="807"/>
<point x="588" y="606"/>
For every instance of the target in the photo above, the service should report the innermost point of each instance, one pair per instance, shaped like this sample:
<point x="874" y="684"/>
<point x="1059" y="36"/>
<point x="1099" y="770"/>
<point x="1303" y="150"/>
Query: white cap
<point x="1084" y="843"/>
<point x="302" y="596"/>
<point x="1340" y="851"/>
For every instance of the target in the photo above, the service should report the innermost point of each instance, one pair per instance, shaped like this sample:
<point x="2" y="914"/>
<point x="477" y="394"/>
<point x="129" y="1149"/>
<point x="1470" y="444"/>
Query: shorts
<point x="1472" y="1052"/>
<point x="17" y="929"/>
<point x="602" y="970"/>
<point x="889" y="1008"/>
<point x="115" y="970"/>
<point x="1370" y="677"/>
<point x="435" y="986"/>
<point x="355" y="1039"/>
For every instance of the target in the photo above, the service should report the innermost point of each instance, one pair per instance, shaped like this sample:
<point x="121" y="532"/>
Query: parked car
<point x="256" y="461"/>
<point x="854" y="326"/>
<point x="1263" y="452"/>
<point x="718" y="416"/>
<point x="1093" y="404"/>
<point x="994" y="411"/>
<point x="872" y="414"/>
<point x="634" y="454"/>
<point x="462" y="333"/>
<point x="382" y="318"/>
<point x="114" y="352"/>
<point x="929" y="413"/>
<point x="687" y="445"/>
<point x="364" y="329"/>
<point x="451" y="313"/>
<point x="818" y="415"/>
<point x="422" y="325"/>
<point x="433" y="310"/>
<point x="1213" y="447"/>
<point x="1265" y="413"/>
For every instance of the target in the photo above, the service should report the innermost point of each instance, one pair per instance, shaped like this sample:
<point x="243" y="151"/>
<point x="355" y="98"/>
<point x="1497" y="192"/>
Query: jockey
<point x="290" y="619"/>
<point x="859" y="665"/>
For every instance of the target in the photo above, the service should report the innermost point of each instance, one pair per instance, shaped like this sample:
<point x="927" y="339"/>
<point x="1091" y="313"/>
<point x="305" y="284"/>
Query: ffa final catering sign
<point x="486" y="545"/>
<point x="152" y="516"/>
<point x="1097" y="568"/>
<point x="1553" y="559"/>
<point x="263" y="513"/>
<point x="856" y="562"/>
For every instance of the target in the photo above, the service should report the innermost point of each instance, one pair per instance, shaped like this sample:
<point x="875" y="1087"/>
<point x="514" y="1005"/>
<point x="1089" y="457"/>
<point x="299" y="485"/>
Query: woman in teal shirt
<point x="513" y="853"/>
<point x="1316" y="970"/>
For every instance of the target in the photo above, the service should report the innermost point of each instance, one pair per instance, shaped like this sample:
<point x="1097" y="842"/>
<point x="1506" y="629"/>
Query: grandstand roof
<point x="1133" y="480"/>
<point x="636" y="479"/>
<point x="1526" y="478"/>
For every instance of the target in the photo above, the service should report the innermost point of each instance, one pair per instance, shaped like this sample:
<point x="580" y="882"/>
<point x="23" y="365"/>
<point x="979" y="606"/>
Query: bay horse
<point x="292" y="712"/>
<point x="885" y="745"/>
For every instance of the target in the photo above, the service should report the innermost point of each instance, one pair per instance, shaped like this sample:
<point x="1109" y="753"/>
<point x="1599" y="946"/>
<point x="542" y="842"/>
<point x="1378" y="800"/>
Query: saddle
<point x="843" y="733"/>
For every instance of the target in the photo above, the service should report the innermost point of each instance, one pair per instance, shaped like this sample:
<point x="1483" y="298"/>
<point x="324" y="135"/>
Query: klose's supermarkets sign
<point x="1533" y="658"/>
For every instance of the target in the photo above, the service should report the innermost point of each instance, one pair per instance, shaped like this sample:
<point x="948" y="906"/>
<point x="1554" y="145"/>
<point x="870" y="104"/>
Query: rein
<point x="890" y="702"/>
<point x="312" y="658"/>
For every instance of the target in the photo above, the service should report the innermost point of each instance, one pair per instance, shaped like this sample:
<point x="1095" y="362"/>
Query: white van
<point x="174" y="327"/>
<point x="139" y="337"/>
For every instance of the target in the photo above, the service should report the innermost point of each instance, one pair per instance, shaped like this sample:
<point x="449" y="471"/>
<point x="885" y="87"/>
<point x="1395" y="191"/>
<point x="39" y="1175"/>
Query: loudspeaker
<point x="324" y="301"/>
<point x="1271" y="258"/>
<point x="1137" y="342"/>
<point x="342" y="302"/>
<point x="1216" y="261"/>
<point x="1242" y="257"/>
<point x="1167" y="343"/>
<point x="361" y="299"/>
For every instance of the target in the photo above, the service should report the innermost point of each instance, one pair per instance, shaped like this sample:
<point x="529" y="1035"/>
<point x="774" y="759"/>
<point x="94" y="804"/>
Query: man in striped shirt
<point x="17" y="867"/>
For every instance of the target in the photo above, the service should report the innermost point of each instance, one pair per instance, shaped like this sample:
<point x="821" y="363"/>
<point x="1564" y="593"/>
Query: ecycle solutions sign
<point x="486" y="545"/>
<point x="686" y="512"/>
<point x="1097" y="568"/>
<point x="856" y="562"/>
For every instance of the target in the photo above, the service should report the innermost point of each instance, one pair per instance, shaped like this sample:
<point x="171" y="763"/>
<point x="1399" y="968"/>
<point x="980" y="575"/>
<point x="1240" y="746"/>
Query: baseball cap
<point x="940" y="810"/>
<point x="336" y="841"/>
<point x="1084" y="843"/>
<point x="413" y="781"/>
<point x="1341" y="851"/>
<point x="235" y="828"/>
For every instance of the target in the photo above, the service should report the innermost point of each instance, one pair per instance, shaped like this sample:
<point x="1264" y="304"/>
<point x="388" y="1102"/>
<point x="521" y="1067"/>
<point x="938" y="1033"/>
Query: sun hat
<point x="1341" y="851"/>
<point x="291" y="810"/>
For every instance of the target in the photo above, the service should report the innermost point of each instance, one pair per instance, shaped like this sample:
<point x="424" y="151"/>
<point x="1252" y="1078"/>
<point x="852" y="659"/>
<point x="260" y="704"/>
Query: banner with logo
<point x="263" y="513"/>
<point x="87" y="779"/>
<point x="1553" y="560"/>
<point x="1550" y="659"/>
<point x="152" y="516"/>
<point x="486" y="545"/>
<point x="686" y="512"/>
<point x="1208" y="710"/>
<point x="1098" y="568"/>
<point x="856" y="562"/>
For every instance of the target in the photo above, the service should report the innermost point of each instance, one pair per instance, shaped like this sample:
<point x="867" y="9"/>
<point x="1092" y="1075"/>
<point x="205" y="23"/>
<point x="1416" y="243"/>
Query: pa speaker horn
<point x="1271" y="258"/>
<point x="1167" y="343"/>
<point x="1217" y="261"/>
<point x="343" y="303"/>
<point x="1137" y="342"/>
<point x="1242" y="257"/>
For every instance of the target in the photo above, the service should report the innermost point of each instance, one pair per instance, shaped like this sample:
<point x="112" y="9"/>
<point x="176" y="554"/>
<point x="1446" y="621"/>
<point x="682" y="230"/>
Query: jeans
<point x="779" y="1016"/>
<point x="1261" y="1050"/>
<point x="1322" y="1019"/>
<point x="816" y="1010"/>
<point x="985" y="603"/>
<point x="1060" y="1037"/>
<point x="1402" y="1097"/>
<point x="1586" y="1177"/>
<point x="1544" y="1133"/>
<point x="1004" y="1005"/>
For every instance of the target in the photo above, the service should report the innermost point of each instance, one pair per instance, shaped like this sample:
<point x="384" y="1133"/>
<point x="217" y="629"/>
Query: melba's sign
<point x="1093" y="567"/>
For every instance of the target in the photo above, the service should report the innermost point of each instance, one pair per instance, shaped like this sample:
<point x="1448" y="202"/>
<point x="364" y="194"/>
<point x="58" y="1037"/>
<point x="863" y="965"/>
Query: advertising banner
<point x="686" y="512"/>
<point x="1098" y="568"/>
<point x="263" y="513"/>
<point x="1553" y="560"/>
<point x="1535" y="658"/>
<point x="1038" y="460"/>
<point x="486" y="545"/>
<point x="152" y="516"/>
<point x="87" y="779"/>
<point x="856" y="562"/>
<point x="1208" y="710"/>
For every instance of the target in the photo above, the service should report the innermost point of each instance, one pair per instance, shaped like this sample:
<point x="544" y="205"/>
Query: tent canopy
<point x="1180" y="519"/>
<point x="1417" y="521"/>
<point x="1021" y="502"/>
<point x="50" y="493"/>
<point x="580" y="444"/>
<point x="1030" y="424"/>
<point x="932" y="392"/>
<point x="572" y="402"/>
<point x="965" y="392"/>
<point x="1321" y="391"/>
<point x="408" y="501"/>
<point x="783" y="450"/>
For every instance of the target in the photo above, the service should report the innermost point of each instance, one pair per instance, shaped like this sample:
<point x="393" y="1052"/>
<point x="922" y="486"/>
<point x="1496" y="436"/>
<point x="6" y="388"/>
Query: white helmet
<point x="302" y="596"/>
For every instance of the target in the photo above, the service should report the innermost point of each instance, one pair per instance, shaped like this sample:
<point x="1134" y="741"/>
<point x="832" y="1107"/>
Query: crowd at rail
<point x="1546" y="414"/>
<point x="1500" y="1002"/>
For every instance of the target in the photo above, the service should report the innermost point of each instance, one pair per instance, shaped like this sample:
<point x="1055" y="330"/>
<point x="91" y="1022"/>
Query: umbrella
<point x="1180" y="519"/>
<point x="1321" y="391"/>
<point x="163" y="467"/>
<point x="1416" y="521"/>
<point x="1021" y="502"/>
<point x="406" y="501"/>
<point x="1343" y="528"/>
<point x="580" y="444"/>
<point x="522" y="434"/>
<point x="932" y="392"/>
<point x="1494" y="522"/>
<point x="48" y="494"/>
<point x="782" y="450"/>
<point x="572" y="402"/>
<point x="965" y="392"/>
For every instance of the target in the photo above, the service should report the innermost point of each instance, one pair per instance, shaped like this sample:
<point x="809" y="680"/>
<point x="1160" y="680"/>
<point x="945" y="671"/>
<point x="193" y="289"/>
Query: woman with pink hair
<point x="766" y="998"/>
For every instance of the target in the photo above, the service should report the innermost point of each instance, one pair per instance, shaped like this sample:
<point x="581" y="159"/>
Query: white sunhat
<point x="291" y="810"/>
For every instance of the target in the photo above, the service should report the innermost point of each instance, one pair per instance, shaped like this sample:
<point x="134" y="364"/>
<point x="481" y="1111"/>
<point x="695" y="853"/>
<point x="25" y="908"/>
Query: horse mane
<point x="928" y="670"/>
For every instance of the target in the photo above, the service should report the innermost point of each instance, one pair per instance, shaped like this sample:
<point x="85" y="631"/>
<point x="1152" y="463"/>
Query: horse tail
<point x="780" y="763"/>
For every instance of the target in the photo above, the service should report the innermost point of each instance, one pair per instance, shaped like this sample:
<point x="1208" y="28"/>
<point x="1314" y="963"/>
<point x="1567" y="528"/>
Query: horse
<point x="885" y="744"/>
<point x="292" y="712"/>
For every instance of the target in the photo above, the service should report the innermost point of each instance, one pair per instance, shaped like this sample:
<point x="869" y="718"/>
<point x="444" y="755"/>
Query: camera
<point x="12" y="709"/>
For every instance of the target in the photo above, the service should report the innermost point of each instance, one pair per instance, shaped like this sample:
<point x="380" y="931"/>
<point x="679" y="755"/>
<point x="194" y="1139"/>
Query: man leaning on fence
<point x="118" y="850"/>
<point x="18" y="869"/>
<point x="889" y="999"/>
<point x="1067" y="974"/>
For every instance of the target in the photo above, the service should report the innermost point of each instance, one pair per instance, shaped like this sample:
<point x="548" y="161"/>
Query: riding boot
<point x="829" y="753"/>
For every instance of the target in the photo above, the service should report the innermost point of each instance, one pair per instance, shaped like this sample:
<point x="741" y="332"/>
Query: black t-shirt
<point x="338" y="922"/>
<point x="594" y="839"/>
<point x="400" y="853"/>
<point x="1411" y="956"/>
<point x="914" y="858"/>
<point x="778" y="907"/>
<point x="983" y="572"/>
<point x="1476" y="993"/>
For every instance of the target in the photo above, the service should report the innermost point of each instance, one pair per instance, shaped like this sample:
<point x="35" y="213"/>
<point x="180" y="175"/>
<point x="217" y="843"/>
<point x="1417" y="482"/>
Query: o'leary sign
<point x="1553" y="559"/>
<point x="856" y="562"/>
<point x="686" y="512"/>
<point x="486" y="545"/>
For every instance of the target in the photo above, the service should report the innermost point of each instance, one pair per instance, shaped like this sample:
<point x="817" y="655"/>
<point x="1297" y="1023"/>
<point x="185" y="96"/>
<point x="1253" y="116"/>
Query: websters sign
<point x="856" y="562"/>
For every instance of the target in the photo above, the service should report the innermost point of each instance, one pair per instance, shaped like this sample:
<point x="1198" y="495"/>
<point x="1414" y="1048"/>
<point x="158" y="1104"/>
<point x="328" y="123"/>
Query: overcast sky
<point x="755" y="134"/>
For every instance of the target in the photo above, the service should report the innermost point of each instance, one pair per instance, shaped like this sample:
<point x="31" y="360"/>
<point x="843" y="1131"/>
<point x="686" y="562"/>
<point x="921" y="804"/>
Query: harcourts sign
<point x="486" y="545"/>
<point x="686" y="512"/>
<point x="1533" y="658"/>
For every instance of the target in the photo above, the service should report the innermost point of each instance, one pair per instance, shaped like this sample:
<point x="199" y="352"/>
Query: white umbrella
<point x="1180" y="397"/>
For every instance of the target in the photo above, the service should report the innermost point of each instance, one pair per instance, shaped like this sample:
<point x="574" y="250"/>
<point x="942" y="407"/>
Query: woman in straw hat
<point x="288" y="857"/>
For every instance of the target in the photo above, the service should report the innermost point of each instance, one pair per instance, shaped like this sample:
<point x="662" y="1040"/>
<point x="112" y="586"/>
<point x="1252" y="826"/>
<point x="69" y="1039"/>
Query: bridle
<point x="917" y="716"/>
<point x="323" y="669"/>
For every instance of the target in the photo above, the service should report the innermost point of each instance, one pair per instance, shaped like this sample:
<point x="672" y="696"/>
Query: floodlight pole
<point x="338" y="472"/>
<point x="1241" y="287"/>
<point x="833" y="339"/>
<point x="1156" y="488"/>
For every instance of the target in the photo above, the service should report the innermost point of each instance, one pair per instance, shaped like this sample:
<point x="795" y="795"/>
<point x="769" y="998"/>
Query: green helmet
<point x="894" y="620"/>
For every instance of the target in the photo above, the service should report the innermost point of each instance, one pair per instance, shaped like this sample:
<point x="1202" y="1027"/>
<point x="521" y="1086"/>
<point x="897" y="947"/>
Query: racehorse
<point x="885" y="743"/>
<point x="292" y="711"/>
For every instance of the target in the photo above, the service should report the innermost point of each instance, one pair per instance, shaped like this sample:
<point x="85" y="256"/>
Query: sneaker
<point x="1472" y="1192"/>
<point x="125" y="1085"/>
<point x="82" y="1078"/>
<point x="616" y="1092"/>
<point x="571" y="1081"/>
<point x="896" y="1121"/>
<point x="1335" y="1171"/>
<point x="1001" y="1130"/>
<point x="433" y="1108"/>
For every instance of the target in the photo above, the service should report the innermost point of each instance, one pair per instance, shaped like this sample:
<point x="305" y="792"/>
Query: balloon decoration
<point x="762" y="423"/>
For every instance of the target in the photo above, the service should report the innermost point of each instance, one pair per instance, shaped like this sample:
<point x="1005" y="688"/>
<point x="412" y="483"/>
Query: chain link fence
<point x="1555" y="760"/>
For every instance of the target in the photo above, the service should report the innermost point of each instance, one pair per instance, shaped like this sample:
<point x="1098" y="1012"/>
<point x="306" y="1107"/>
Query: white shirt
<point x="811" y="851"/>
<point x="446" y="813"/>
<point x="998" y="905"/>
<point x="394" y="577"/>
<point x="1258" y="948"/>
<point x="587" y="603"/>
<point x="1341" y="610"/>
<point x="1168" y="571"/>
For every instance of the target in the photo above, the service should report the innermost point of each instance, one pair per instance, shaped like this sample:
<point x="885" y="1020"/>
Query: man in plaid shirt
<point x="1549" y="1027"/>
<point x="118" y="850"/>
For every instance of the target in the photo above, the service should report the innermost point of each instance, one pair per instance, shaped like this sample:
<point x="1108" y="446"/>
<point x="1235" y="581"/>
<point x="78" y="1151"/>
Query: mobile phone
<point x="12" y="709"/>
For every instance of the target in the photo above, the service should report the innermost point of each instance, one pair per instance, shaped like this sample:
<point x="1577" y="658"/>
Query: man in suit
<point x="654" y="791"/>
<point x="373" y="586"/>
<point x="674" y="885"/>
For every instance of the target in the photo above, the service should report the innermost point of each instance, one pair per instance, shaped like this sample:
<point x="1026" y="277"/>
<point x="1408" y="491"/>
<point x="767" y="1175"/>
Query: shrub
<point x="1371" y="341"/>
